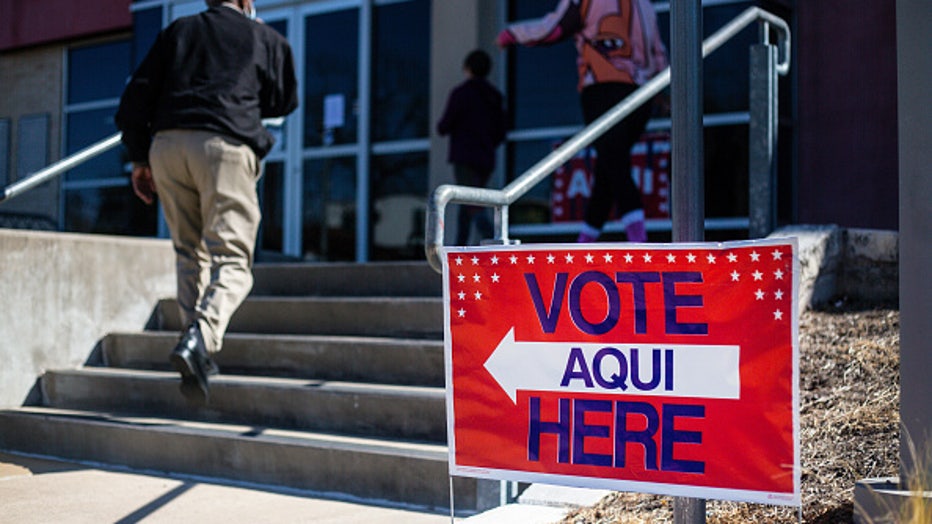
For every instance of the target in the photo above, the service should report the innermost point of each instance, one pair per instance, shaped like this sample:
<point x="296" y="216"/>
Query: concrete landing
<point x="34" y="490"/>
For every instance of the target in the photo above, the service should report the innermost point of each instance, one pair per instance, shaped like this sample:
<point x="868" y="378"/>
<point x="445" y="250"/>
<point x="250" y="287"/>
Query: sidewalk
<point x="40" y="491"/>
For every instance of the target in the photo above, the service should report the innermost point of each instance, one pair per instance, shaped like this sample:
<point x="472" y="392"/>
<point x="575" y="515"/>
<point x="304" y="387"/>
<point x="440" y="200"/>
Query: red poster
<point x="659" y="368"/>
<point x="650" y="170"/>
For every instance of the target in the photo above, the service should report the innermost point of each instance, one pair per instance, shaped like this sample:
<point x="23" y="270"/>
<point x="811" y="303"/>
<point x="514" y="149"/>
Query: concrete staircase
<point x="332" y="382"/>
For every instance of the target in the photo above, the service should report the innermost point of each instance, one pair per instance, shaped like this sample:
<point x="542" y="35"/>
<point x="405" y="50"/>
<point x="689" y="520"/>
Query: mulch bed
<point x="849" y="423"/>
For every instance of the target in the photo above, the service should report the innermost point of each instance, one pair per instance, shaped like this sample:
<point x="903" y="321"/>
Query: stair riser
<point x="408" y="479"/>
<point x="419" y="416"/>
<point x="416" y="363"/>
<point x="394" y="279"/>
<point x="413" y="317"/>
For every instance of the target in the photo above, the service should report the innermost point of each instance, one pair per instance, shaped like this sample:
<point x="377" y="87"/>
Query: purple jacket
<point x="475" y="120"/>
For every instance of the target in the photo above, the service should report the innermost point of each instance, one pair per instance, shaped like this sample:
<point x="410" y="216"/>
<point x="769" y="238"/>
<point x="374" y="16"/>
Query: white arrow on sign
<point x="701" y="371"/>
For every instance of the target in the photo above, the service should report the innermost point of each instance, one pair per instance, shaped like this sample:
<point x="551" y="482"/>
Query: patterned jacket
<point x="616" y="40"/>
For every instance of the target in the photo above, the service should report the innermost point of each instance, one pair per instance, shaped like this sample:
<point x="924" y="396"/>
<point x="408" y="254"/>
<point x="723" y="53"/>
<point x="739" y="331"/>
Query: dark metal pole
<point x="915" y="128"/>
<point x="688" y="191"/>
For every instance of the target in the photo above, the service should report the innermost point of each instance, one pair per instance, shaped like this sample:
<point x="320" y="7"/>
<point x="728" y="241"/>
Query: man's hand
<point x="143" y="185"/>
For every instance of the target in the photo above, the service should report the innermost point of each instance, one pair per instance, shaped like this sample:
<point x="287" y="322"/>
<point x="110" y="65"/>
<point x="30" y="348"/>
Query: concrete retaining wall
<point x="857" y="264"/>
<point x="61" y="293"/>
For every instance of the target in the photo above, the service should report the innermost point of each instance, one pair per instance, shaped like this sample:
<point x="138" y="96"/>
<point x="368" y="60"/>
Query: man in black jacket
<point x="191" y="118"/>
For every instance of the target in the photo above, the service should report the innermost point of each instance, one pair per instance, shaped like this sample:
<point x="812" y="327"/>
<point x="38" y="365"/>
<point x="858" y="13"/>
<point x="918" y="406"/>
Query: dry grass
<point x="849" y="423"/>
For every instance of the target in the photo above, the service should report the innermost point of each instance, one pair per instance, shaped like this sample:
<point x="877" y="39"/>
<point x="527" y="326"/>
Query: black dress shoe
<point x="190" y="359"/>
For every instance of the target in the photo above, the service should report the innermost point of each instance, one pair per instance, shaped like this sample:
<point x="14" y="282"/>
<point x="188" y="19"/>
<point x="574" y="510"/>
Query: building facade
<point x="352" y="168"/>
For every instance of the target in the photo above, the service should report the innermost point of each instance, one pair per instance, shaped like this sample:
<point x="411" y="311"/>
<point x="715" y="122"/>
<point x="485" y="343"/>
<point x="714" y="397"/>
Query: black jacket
<point x="214" y="71"/>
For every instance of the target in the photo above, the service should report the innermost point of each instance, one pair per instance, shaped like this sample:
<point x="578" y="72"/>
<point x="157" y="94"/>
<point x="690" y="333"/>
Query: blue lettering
<point x="671" y="301"/>
<point x="581" y="430"/>
<point x="636" y="370"/>
<point x="561" y="429"/>
<point x="548" y="318"/>
<point x="671" y="436"/>
<point x="548" y="315"/>
<point x="637" y="279"/>
<point x="613" y="303"/>
<point x="576" y="368"/>
<point x="644" y="437"/>
<point x="571" y="429"/>
<point x="617" y="379"/>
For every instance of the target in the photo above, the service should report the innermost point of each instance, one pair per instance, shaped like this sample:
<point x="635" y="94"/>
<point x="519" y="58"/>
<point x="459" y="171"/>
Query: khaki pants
<point x="207" y="188"/>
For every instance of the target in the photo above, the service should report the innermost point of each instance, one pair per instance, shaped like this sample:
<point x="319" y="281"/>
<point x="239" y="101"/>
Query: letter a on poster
<point x="659" y="368"/>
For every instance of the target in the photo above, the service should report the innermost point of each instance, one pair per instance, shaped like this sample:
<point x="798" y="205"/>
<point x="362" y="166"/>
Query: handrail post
<point x="500" y="227"/>
<point x="762" y="139"/>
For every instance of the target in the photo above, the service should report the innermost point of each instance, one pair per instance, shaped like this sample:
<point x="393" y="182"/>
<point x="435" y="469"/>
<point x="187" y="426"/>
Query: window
<point x="398" y="187"/>
<point x="329" y="221"/>
<point x="4" y="152"/>
<point x="98" y="71"/>
<point x="146" y="26"/>
<point x="331" y="82"/>
<point x="401" y="76"/>
<point x="97" y="194"/>
<point x="32" y="144"/>
<point x="542" y="79"/>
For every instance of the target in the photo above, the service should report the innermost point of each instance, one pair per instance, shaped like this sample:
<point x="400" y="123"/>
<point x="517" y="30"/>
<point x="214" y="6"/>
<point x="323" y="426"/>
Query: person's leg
<point x="181" y="206"/>
<point x="467" y="215"/>
<point x="613" y="185"/>
<point x="180" y="203"/>
<point x="226" y="172"/>
<point x="594" y="101"/>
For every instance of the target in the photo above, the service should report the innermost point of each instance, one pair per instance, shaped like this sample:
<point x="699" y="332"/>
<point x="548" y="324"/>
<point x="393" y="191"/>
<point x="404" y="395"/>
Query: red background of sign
<point x="748" y="444"/>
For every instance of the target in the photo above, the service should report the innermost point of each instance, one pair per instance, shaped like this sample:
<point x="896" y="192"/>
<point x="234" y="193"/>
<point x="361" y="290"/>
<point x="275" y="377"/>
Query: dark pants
<point x="613" y="184"/>
<point x="469" y="176"/>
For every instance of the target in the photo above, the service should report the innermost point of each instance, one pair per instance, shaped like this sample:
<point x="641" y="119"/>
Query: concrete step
<point x="409" y="317"/>
<point x="365" y="359"/>
<point x="370" y="469"/>
<point x="399" y="279"/>
<point x="373" y="410"/>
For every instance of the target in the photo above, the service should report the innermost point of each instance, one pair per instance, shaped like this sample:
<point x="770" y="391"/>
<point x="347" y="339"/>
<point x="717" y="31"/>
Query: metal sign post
<point x="688" y="192"/>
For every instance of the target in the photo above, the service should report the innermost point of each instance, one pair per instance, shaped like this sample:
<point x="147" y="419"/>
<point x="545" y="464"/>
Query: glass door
<point x="332" y="110"/>
<point x="271" y="244"/>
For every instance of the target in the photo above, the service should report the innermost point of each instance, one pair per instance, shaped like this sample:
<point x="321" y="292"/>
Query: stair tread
<point x="268" y="435"/>
<point x="331" y="298"/>
<point x="245" y="336"/>
<point x="262" y="381"/>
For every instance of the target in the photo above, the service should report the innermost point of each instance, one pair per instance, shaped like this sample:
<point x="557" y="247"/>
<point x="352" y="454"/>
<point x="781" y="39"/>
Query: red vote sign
<point x="659" y="368"/>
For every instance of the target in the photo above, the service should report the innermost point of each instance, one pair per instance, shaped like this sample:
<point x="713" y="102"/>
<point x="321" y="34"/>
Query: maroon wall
<point x="847" y="112"/>
<point x="29" y="22"/>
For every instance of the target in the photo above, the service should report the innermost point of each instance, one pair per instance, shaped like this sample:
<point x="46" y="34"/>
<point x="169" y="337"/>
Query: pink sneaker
<point x="585" y="238"/>
<point x="636" y="232"/>
<point x="588" y="234"/>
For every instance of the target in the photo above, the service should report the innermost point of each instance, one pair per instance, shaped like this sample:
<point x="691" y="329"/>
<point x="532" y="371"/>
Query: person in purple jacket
<point x="474" y="119"/>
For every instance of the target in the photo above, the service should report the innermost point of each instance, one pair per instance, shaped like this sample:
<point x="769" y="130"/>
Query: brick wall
<point x="32" y="85"/>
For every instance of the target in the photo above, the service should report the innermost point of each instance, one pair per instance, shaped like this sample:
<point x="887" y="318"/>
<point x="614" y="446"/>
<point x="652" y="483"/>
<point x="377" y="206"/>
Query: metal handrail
<point x="500" y="199"/>
<point x="44" y="175"/>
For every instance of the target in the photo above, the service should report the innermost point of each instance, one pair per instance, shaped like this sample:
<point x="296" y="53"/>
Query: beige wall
<point x="61" y="293"/>
<point x="31" y="83"/>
